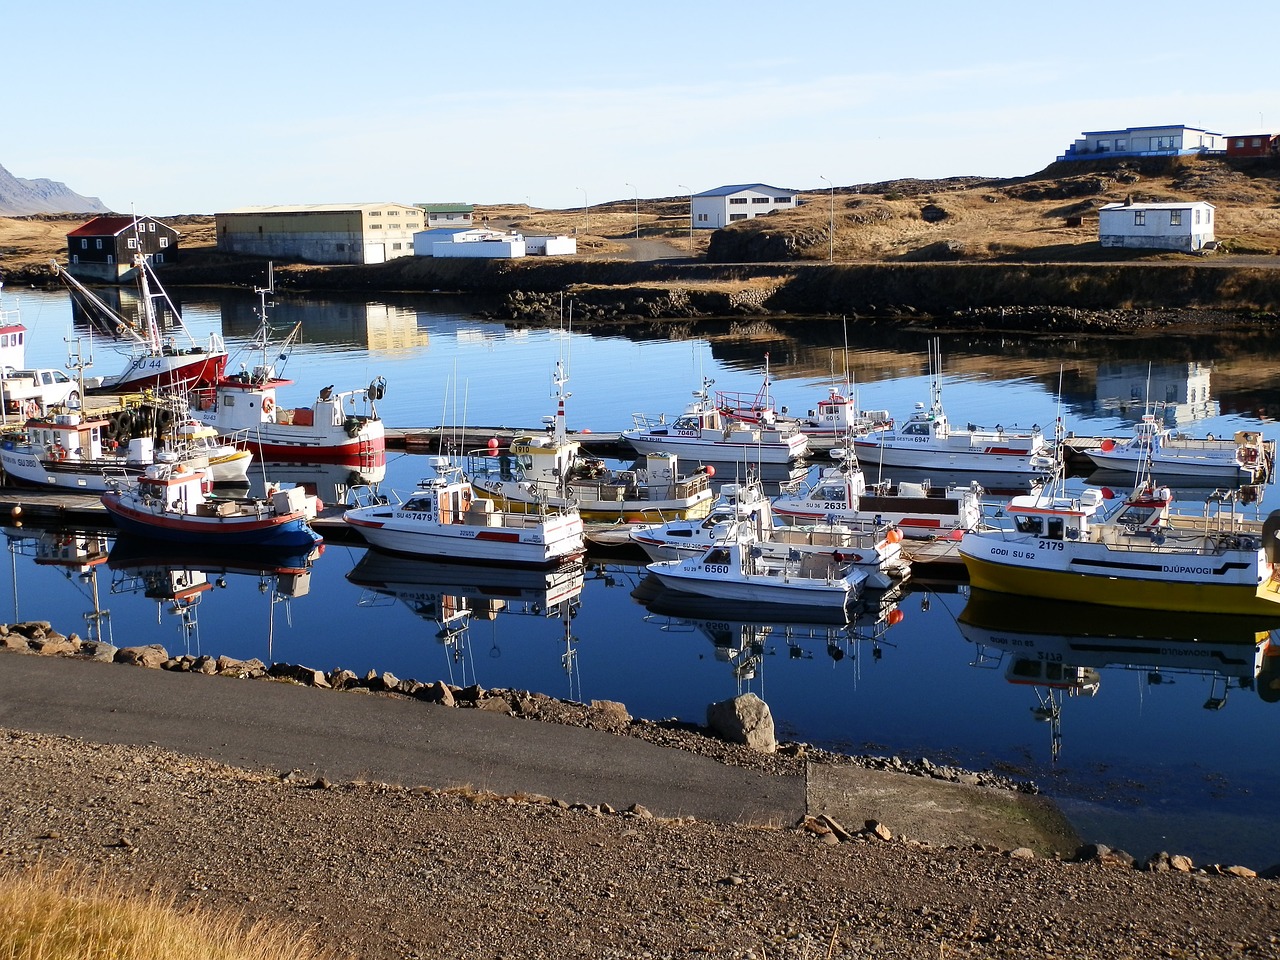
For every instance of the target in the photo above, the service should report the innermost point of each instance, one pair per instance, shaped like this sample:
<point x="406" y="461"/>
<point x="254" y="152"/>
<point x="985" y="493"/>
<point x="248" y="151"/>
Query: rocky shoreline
<point x="378" y="870"/>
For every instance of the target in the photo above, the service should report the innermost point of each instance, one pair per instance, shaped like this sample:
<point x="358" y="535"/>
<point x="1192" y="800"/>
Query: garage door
<point x="375" y="253"/>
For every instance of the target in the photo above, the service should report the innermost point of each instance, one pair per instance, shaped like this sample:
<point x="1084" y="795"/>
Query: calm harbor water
<point x="1169" y="744"/>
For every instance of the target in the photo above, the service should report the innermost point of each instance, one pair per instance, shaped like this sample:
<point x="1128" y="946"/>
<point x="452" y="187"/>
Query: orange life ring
<point x="59" y="452"/>
<point x="267" y="405"/>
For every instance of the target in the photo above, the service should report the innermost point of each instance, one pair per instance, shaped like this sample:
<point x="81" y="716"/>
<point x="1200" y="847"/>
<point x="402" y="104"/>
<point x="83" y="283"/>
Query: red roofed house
<point x="105" y="247"/>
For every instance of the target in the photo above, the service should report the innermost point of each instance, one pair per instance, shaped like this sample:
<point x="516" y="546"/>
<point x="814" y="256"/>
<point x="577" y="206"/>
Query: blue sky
<point x="177" y="107"/>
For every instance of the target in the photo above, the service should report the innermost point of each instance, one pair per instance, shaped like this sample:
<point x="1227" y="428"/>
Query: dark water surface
<point x="1171" y="744"/>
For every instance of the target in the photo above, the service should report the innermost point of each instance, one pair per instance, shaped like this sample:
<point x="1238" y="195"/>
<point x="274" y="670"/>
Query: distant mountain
<point x="19" y="197"/>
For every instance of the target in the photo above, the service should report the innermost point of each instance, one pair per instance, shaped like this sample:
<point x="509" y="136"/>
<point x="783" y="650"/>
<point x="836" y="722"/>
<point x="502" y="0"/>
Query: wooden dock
<point x="455" y="440"/>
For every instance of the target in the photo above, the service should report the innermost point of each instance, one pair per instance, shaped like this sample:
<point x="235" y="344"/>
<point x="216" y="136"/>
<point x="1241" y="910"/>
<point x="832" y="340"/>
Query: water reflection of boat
<point x="177" y="576"/>
<point x="743" y="636"/>
<point x="1224" y="650"/>
<point x="483" y="589"/>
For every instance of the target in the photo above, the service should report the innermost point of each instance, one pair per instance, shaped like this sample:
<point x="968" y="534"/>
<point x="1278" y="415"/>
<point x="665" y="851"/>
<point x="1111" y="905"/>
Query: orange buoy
<point x="710" y="470"/>
<point x="493" y="443"/>
<point x="1108" y="445"/>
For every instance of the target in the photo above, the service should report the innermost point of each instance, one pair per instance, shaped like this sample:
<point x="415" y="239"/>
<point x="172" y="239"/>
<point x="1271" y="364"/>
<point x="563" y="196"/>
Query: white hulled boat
<point x="551" y="469"/>
<point x="1242" y="459"/>
<point x="918" y="509"/>
<point x="876" y="549"/>
<point x="444" y="517"/>
<point x="835" y="418"/>
<point x="736" y="569"/>
<point x="703" y="433"/>
<point x="927" y="441"/>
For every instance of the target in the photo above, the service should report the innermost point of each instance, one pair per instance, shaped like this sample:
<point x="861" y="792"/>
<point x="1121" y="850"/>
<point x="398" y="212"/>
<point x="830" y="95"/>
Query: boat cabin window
<point x="687" y="423"/>
<point x="916" y="429"/>
<point x="1053" y="528"/>
<point x="679" y="533"/>
<point x="1031" y="525"/>
<point x="418" y="505"/>
<point x="718" y="555"/>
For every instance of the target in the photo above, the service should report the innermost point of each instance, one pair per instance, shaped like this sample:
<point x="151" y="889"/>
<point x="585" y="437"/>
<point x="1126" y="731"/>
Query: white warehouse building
<point x="322" y="232"/>
<point x="1156" y="226"/>
<point x="713" y="209"/>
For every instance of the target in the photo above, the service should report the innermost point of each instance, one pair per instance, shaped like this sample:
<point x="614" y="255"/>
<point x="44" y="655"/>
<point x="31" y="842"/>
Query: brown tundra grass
<point x="63" y="914"/>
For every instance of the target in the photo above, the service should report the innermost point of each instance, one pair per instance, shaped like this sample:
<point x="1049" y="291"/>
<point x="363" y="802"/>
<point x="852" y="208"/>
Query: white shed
<point x="1156" y="226"/>
<point x="561" y="246"/>
<point x="712" y="209"/>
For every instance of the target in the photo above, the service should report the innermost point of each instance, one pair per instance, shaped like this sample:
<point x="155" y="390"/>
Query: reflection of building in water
<point x="377" y="326"/>
<point x="1178" y="392"/>
<point x="393" y="329"/>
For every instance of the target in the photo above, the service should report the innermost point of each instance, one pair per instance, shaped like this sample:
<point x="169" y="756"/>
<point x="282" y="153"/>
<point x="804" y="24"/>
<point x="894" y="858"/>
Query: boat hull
<point x="1241" y="581"/>
<point x="170" y="371"/>
<point x="691" y="449"/>
<point x="496" y="544"/>
<point x="269" y="530"/>
<point x="940" y="459"/>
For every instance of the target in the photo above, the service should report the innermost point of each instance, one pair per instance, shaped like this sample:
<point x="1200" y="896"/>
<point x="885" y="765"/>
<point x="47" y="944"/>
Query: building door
<point x="375" y="253"/>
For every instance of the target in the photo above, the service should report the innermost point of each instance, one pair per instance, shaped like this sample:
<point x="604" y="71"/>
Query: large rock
<point x="152" y="655"/>
<point x="745" y="719"/>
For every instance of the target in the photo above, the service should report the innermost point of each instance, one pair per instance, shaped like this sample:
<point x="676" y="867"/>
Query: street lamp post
<point x="831" y="228"/>
<point x="586" y="213"/>
<point x="690" y="189"/>
<point x="637" y="193"/>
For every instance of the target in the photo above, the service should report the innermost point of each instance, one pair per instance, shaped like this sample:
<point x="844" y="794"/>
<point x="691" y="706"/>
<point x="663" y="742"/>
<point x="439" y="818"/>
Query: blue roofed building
<point x="1170" y="140"/>
<point x="716" y="208"/>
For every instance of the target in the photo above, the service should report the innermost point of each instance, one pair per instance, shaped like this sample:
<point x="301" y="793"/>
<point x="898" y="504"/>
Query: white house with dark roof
<point x="1186" y="226"/>
<point x="716" y="208"/>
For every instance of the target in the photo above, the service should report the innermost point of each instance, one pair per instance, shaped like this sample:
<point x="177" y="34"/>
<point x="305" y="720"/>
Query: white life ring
<point x="267" y="405"/>
<point x="31" y="409"/>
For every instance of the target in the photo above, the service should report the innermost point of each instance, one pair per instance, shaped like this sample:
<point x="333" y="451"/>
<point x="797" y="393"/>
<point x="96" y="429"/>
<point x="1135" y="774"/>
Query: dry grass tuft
<point x="64" y="914"/>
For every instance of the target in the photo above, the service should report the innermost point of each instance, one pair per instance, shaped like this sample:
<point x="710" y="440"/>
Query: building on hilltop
<point x="322" y="232"/>
<point x="1254" y="145"/>
<point x="448" y="214"/>
<point x="105" y="247"/>
<point x="713" y="209"/>
<point x="1187" y="227"/>
<point x="1165" y="141"/>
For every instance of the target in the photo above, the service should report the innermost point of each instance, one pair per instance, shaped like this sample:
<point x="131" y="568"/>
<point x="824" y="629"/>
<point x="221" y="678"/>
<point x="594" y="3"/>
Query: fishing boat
<point x="227" y="457"/>
<point x="875" y="548"/>
<point x="552" y="469"/>
<point x="173" y="502"/>
<point x="927" y="441"/>
<point x="72" y="452"/>
<point x="917" y="508"/>
<point x="338" y="426"/>
<point x="703" y="432"/>
<point x="444" y="517"/>
<point x="1242" y="459"/>
<point x="737" y="569"/>
<point x="835" y="417"/>
<point x="174" y="360"/>
<point x="1134" y="552"/>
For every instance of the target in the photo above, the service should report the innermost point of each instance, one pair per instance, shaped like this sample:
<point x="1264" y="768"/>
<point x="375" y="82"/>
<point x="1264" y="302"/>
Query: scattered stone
<point x="437" y="692"/>
<point x="1102" y="854"/>
<point x="494" y="705"/>
<point x="151" y="656"/>
<point x="874" y="828"/>
<point x="745" y="719"/>
<point x="98" y="650"/>
<point x="296" y="672"/>
<point x="640" y="811"/>
<point x="251" y="668"/>
<point x="1022" y="853"/>
<point x="608" y="715"/>
<point x="840" y="833"/>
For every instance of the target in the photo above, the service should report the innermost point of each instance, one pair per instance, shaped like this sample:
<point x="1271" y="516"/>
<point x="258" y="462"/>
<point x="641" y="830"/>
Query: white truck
<point x="32" y="393"/>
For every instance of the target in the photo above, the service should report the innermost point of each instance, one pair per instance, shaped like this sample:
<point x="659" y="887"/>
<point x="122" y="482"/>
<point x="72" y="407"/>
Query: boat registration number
<point x="715" y="568"/>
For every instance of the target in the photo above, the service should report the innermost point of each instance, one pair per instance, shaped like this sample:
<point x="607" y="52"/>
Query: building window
<point x="340" y="247"/>
<point x="738" y="216"/>
<point x="1104" y="146"/>
<point x="1139" y="218"/>
<point x="164" y="242"/>
<point x="375" y="226"/>
<point x="781" y="199"/>
<point x="395" y="246"/>
<point x="1121" y="146"/>
<point x="84" y="244"/>
<point x="97" y="244"/>
<point x="1175" y="218"/>
<point x="393" y="213"/>
<point x="702" y="217"/>
<point x="759" y="199"/>
<point x="151" y="227"/>
<point x="1197" y="216"/>
<point x="1239" y="144"/>
<point x="375" y="213"/>
<point x="1257" y="141"/>
<point x="133" y="243"/>
<point x="1208" y="216"/>
<point x="737" y="199"/>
